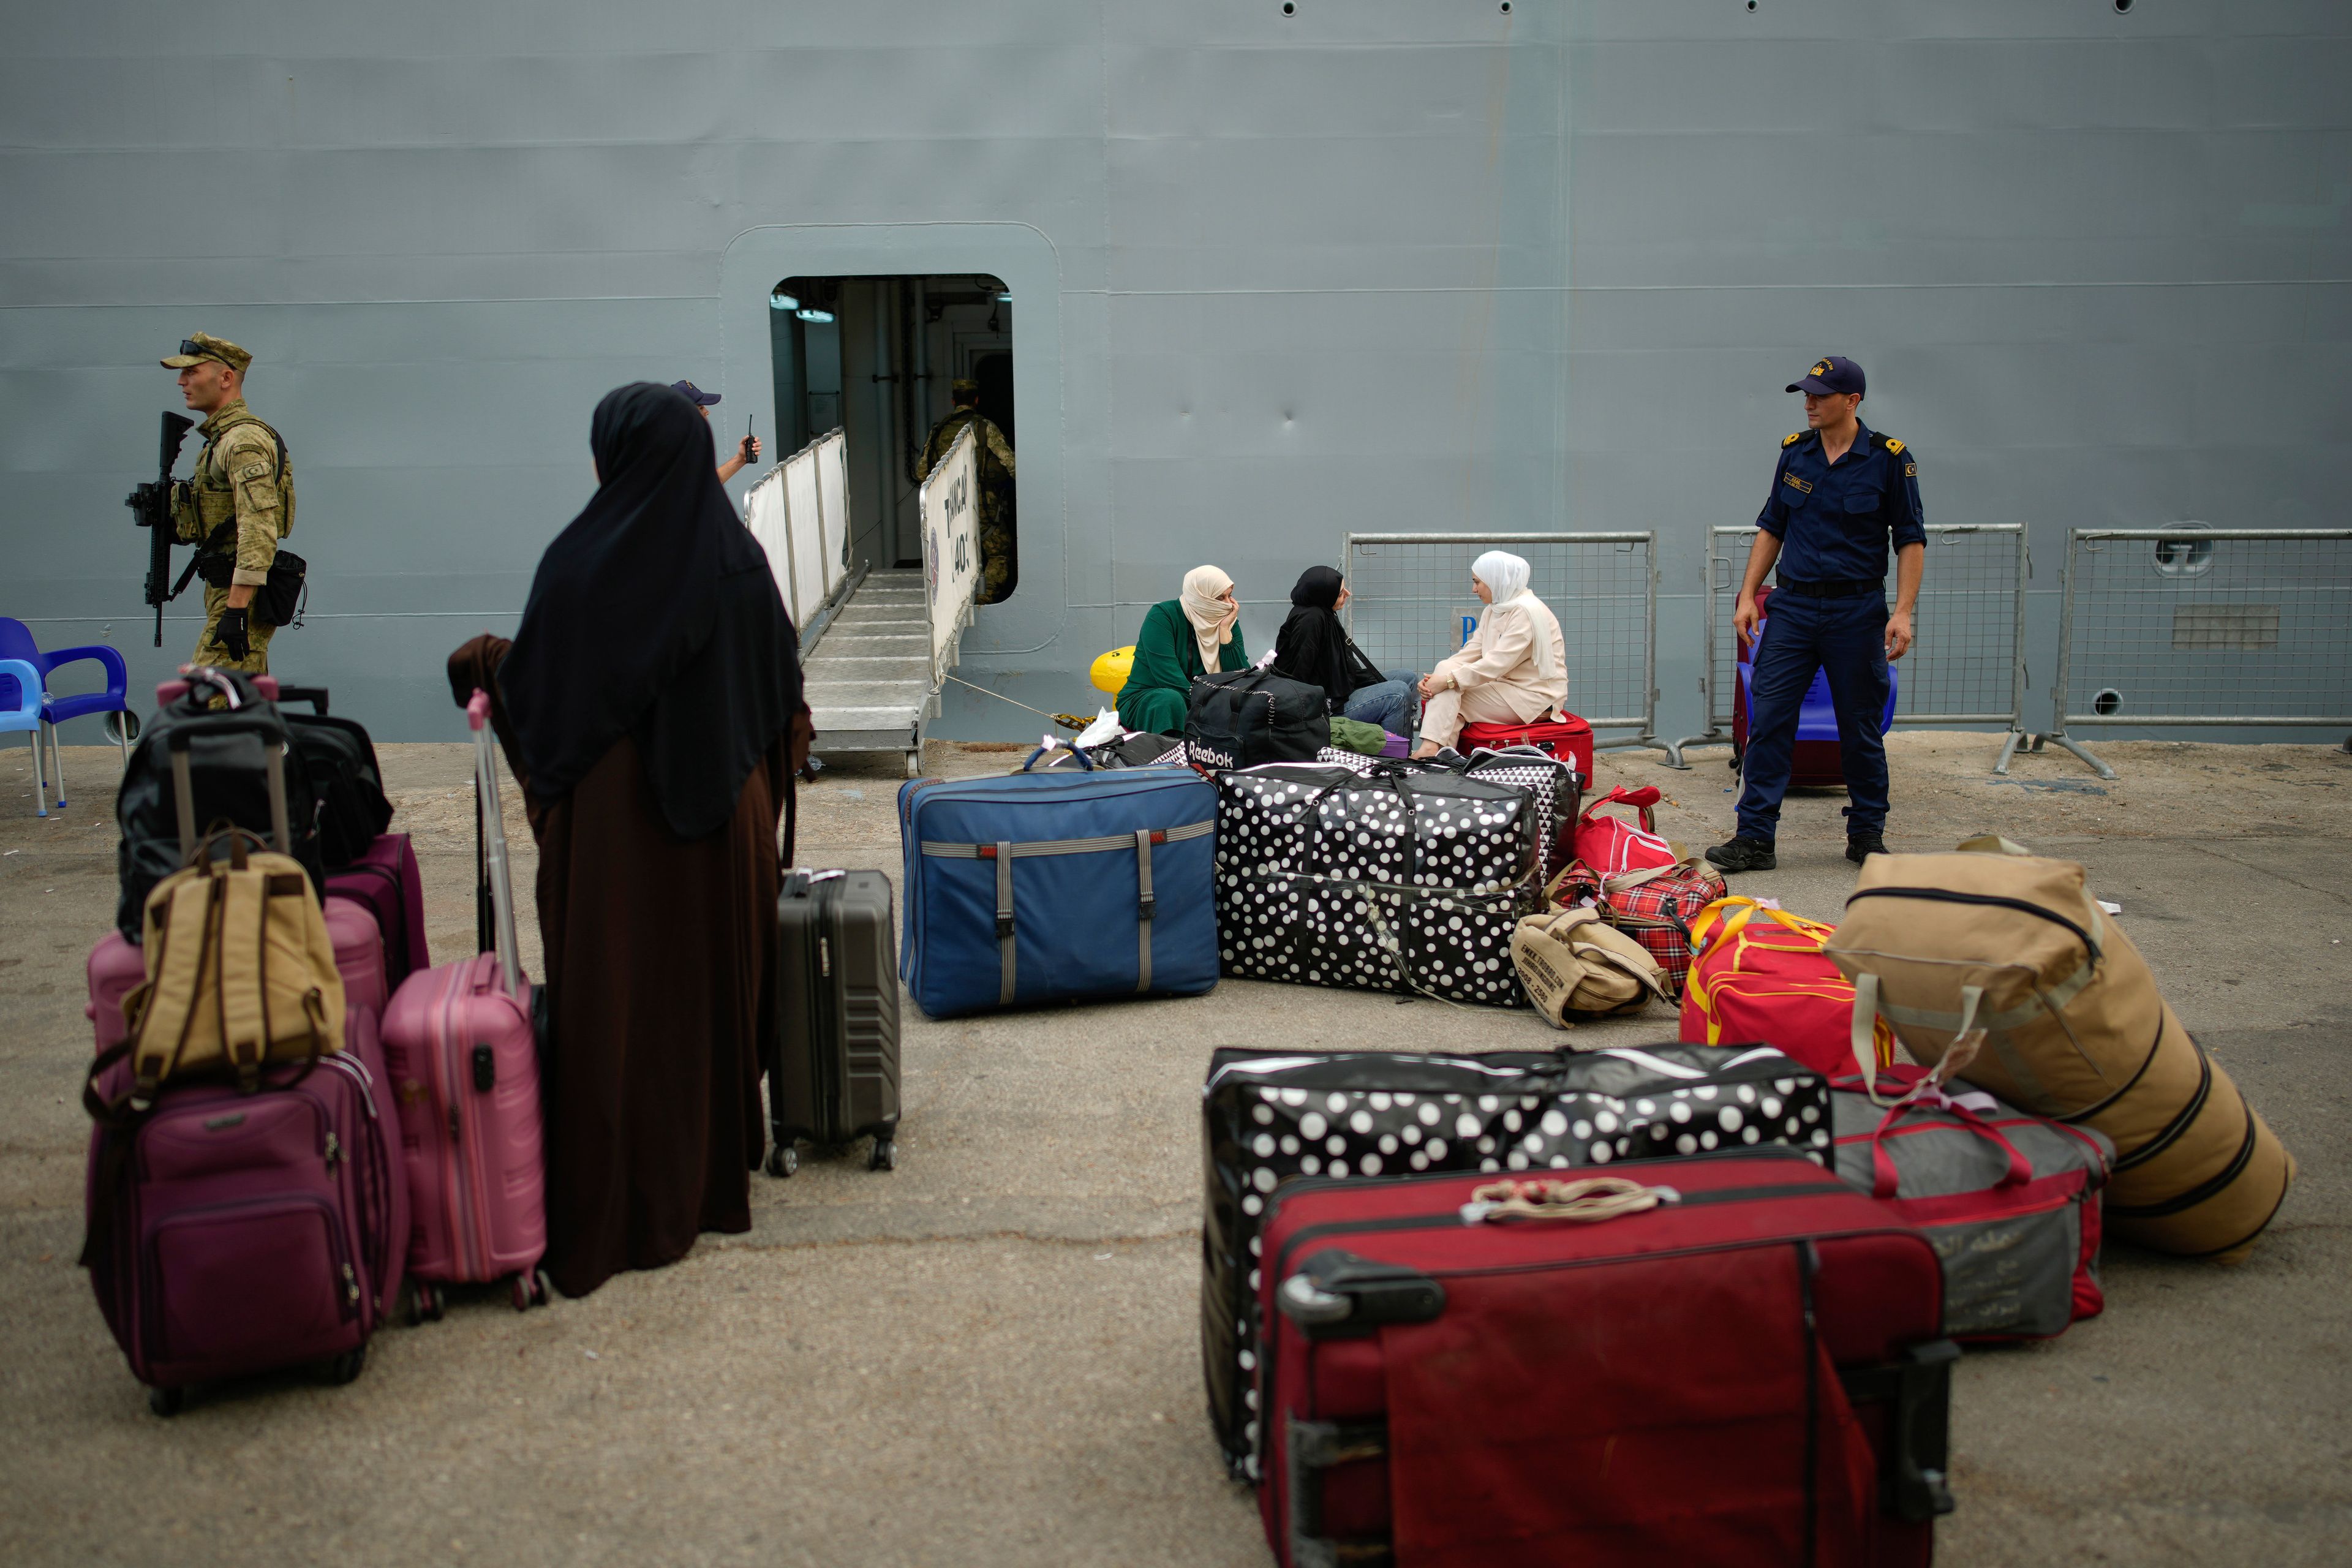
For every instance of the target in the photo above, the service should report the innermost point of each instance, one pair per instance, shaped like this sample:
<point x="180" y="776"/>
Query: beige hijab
<point x="1211" y="616"/>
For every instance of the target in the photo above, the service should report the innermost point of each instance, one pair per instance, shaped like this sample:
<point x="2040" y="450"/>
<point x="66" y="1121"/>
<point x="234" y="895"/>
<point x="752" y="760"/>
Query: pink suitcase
<point x="458" y="1043"/>
<point x="116" y="969"/>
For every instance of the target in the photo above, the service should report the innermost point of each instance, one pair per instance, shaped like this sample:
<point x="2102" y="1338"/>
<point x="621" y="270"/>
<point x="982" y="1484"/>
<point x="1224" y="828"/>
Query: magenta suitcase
<point x="386" y="883"/>
<point x="116" y="969"/>
<point x="464" y="1060"/>
<point x="233" y="1234"/>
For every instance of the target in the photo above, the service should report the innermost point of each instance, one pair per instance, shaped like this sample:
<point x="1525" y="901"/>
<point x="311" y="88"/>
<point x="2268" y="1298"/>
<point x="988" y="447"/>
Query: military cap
<point x="204" y="346"/>
<point x="1830" y="375"/>
<point x="964" y="386"/>
<point x="693" y="393"/>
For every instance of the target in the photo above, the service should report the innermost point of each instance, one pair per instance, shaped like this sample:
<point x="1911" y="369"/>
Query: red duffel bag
<point x="1612" y="846"/>
<point x="1759" y="974"/>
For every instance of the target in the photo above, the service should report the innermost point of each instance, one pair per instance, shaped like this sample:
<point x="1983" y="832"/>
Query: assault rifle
<point x="150" y="508"/>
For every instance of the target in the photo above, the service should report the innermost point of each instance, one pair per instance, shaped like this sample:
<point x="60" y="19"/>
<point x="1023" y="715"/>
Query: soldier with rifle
<point x="236" y="508"/>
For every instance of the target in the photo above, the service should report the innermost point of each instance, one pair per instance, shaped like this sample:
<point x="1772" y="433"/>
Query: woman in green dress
<point x="1181" y="639"/>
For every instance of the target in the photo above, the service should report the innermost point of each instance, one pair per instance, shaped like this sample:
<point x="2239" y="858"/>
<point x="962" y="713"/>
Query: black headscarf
<point x="1313" y="647"/>
<point x="653" y="615"/>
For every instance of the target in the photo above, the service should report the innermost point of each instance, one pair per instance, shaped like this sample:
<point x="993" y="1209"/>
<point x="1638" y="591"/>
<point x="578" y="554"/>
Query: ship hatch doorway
<point x="880" y="357"/>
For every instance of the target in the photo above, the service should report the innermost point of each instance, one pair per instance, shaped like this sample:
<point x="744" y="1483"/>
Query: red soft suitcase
<point x="1729" y="1360"/>
<point x="459" y="1044"/>
<point x="116" y="968"/>
<point x="386" y="882"/>
<point x="1568" y="738"/>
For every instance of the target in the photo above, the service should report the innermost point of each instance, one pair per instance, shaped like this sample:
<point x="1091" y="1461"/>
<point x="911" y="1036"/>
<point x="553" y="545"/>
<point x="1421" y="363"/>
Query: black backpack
<point x="228" y="777"/>
<point x="1238" y="719"/>
<point x="344" y="777"/>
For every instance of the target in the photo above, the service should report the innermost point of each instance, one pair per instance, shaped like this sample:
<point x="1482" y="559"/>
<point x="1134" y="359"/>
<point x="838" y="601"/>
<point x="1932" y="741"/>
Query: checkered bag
<point x="1655" y="907"/>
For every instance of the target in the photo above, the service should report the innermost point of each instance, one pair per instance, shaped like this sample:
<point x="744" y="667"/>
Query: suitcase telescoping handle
<point x="272" y="730"/>
<point x="494" y="838"/>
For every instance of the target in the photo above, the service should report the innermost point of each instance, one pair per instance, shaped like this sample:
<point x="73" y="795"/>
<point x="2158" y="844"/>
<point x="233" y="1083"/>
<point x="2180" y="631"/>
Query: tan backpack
<point x="240" y="973"/>
<point x="1573" y="963"/>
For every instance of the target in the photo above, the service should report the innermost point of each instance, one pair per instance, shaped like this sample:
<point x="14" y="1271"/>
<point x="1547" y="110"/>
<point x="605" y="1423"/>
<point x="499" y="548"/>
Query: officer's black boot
<point x="1861" y="846"/>
<point x="1744" y="855"/>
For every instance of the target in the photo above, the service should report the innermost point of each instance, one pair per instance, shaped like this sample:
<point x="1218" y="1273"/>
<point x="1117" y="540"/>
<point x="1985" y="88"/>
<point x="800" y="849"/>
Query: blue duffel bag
<point x="1052" y="886"/>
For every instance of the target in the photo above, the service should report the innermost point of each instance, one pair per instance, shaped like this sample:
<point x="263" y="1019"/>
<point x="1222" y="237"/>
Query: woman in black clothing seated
<point x="1314" y="648"/>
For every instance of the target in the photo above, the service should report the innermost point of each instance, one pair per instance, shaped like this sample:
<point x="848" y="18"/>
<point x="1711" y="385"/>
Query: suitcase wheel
<point x="347" y="1366"/>
<point x="783" y="1160"/>
<point x="1734" y="759"/>
<point x="166" y="1402"/>
<point x="884" y="1156"/>
<point x="425" y="1304"/>
<point x="522" y="1292"/>
<point x="538" y="1288"/>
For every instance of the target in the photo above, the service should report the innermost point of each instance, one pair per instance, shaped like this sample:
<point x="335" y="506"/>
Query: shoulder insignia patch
<point x="1793" y="440"/>
<point x="1895" y="447"/>
<point x="1910" y="470"/>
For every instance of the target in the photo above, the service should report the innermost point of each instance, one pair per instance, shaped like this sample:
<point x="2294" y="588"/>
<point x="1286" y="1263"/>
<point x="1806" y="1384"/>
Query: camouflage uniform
<point x="999" y="564"/>
<point x="243" y="476"/>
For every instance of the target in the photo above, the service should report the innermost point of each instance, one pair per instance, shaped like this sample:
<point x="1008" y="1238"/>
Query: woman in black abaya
<point x="650" y="706"/>
<point x="1313" y="647"/>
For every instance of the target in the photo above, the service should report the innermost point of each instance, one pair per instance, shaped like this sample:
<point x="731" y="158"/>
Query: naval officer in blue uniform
<point x="1841" y="497"/>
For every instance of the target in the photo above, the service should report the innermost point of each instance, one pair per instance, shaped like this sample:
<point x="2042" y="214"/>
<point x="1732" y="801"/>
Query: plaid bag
<point x="1655" y="907"/>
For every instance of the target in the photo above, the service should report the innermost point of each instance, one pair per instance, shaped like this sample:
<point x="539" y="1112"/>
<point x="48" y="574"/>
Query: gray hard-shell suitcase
<point x="833" y="1070"/>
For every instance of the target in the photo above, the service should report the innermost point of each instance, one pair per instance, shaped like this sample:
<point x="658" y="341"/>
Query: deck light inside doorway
<point x="805" y="314"/>
<point x="780" y="301"/>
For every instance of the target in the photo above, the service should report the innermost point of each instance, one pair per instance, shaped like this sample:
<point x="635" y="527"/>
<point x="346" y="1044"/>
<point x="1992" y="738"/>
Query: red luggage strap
<point x="1929" y="1096"/>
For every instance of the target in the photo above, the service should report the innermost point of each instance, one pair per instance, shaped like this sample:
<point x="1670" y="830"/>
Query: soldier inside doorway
<point x="999" y="558"/>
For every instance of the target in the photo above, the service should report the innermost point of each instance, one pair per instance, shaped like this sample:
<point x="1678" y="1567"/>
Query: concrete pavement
<point x="991" y="1355"/>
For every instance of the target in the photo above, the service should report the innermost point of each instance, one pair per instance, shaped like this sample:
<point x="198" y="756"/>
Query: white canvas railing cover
<point x="950" y="499"/>
<point x="798" y="511"/>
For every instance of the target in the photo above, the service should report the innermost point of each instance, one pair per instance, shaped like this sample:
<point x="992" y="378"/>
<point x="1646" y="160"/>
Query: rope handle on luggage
<point x="1589" y="1199"/>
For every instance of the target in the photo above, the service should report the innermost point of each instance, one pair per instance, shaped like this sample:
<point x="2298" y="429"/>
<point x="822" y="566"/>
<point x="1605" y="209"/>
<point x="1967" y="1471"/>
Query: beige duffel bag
<point x="1998" y="952"/>
<point x="1574" y="965"/>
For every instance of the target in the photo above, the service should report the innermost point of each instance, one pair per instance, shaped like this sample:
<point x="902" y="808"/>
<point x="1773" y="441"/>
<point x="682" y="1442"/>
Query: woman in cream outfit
<point x="1513" y="669"/>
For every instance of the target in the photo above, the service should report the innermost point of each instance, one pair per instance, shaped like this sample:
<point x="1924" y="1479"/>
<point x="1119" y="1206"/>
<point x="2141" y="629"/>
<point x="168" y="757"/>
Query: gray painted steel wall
<point x="1386" y="264"/>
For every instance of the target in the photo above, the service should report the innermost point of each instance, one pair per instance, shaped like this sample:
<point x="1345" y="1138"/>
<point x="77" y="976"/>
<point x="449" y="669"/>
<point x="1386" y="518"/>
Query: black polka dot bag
<point x="1270" y="1116"/>
<point x="1402" y="879"/>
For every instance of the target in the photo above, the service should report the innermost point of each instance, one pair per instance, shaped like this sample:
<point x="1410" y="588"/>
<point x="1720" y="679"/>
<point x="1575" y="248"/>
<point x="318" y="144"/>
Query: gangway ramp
<point x="876" y="646"/>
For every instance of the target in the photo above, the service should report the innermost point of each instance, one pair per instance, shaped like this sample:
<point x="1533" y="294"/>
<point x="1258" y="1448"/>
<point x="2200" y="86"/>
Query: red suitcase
<point x="1568" y="738"/>
<point x="459" y="1044"/>
<point x="116" y="968"/>
<point x="1711" y="1361"/>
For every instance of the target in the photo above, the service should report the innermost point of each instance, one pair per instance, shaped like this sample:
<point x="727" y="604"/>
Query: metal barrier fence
<point x="2241" y="627"/>
<point x="798" y="511"/>
<point x="1967" y="662"/>
<point x="1411" y="605"/>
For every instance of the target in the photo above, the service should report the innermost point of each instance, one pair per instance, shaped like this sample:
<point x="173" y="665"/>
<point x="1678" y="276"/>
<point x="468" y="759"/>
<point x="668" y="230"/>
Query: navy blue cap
<point x="1834" y="374"/>
<point x="696" y="394"/>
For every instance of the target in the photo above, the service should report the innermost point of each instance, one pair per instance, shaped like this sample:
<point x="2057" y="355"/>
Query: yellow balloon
<point x="1110" y="671"/>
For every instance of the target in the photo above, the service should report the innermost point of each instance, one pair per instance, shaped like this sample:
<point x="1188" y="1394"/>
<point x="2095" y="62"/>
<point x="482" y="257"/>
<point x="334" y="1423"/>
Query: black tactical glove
<point x="230" y="634"/>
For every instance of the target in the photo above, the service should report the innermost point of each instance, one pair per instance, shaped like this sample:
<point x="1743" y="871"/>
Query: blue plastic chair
<point x="17" y="646"/>
<point x="20" y="709"/>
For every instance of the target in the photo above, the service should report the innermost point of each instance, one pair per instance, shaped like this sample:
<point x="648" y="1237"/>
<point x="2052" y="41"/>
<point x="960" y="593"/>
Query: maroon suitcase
<point x="385" y="882"/>
<point x="235" y="1233"/>
<point x="1750" y="1372"/>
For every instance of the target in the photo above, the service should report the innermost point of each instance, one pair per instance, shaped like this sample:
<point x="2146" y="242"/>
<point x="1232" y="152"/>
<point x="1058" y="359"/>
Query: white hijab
<point x="1505" y="576"/>
<point x="1211" y="616"/>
